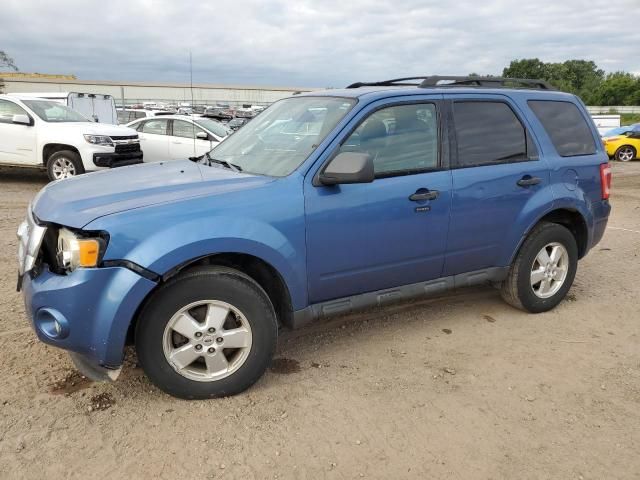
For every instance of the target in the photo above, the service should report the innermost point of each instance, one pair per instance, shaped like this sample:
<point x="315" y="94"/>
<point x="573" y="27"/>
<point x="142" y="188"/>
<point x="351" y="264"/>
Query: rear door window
<point x="566" y="126"/>
<point x="155" y="127"/>
<point x="489" y="133"/>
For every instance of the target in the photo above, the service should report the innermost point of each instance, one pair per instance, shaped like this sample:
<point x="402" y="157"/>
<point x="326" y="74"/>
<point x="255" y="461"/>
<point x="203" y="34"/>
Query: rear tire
<point x="535" y="284"/>
<point x="64" y="164"/>
<point x="209" y="332"/>
<point x="625" y="153"/>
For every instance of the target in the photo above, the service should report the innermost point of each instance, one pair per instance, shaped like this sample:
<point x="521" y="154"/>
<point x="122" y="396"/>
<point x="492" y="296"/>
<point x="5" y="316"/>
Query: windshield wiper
<point x="224" y="163"/>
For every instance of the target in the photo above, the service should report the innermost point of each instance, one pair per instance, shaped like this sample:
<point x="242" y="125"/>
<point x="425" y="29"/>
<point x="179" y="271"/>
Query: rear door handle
<point x="528" y="180"/>
<point x="424" y="194"/>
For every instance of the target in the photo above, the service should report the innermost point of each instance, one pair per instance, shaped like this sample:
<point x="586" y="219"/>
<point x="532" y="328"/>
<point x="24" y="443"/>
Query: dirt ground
<point x="460" y="387"/>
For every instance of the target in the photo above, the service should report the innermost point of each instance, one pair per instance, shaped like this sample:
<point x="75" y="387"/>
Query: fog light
<point x="51" y="323"/>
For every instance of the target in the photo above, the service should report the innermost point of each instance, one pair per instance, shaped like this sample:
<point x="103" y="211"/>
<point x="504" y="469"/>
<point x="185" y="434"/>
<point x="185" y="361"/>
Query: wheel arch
<point x="49" y="149"/>
<point x="572" y="219"/>
<point x="258" y="269"/>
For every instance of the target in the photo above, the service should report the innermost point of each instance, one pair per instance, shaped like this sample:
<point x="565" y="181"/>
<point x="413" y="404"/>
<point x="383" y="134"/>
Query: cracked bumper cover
<point x="87" y="312"/>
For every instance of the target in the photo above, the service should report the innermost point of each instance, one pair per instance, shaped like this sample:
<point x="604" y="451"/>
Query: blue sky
<point x="311" y="43"/>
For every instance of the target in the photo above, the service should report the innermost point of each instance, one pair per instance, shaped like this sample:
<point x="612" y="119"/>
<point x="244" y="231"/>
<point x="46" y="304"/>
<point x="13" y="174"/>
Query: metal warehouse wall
<point x="134" y="92"/>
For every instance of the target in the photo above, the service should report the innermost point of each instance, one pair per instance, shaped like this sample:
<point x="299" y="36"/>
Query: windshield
<point x="283" y="136"/>
<point x="616" y="131"/>
<point x="54" y="111"/>
<point x="214" y="127"/>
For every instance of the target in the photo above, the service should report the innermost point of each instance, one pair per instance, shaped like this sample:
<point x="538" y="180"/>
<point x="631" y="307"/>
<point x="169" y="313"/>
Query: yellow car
<point x="623" y="143"/>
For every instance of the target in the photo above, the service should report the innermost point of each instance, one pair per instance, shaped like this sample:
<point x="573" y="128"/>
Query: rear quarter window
<point x="566" y="126"/>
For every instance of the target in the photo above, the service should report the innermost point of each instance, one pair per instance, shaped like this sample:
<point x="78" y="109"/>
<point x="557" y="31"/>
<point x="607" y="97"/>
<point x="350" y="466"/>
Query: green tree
<point x="6" y="62"/>
<point x="618" y="88"/>
<point x="581" y="77"/>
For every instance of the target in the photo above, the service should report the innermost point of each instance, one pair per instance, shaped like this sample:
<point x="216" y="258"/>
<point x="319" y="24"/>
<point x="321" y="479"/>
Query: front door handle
<point x="528" y="180"/>
<point x="424" y="194"/>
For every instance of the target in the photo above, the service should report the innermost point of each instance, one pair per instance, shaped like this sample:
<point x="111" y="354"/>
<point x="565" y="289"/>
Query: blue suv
<point x="325" y="203"/>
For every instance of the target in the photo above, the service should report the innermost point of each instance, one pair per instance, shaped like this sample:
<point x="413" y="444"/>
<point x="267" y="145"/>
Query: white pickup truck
<point x="46" y="134"/>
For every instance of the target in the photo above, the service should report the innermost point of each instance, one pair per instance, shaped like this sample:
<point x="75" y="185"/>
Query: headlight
<point x="99" y="139"/>
<point x="75" y="251"/>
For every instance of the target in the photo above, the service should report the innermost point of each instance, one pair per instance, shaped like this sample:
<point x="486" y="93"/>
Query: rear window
<point x="566" y="127"/>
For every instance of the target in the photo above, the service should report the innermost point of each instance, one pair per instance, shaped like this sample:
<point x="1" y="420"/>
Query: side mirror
<point x="21" y="119"/>
<point x="348" y="167"/>
<point x="202" y="136"/>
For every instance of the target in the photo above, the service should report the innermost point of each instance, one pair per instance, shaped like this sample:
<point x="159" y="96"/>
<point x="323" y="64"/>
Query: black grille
<point x="131" y="148"/>
<point x="126" y="137"/>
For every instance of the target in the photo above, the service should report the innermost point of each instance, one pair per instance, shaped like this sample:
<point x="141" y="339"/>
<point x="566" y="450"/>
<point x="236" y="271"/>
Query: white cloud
<point x="311" y="43"/>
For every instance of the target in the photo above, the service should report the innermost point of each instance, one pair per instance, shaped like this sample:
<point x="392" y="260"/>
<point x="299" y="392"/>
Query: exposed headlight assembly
<point x="99" y="140"/>
<point x="77" y="251"/>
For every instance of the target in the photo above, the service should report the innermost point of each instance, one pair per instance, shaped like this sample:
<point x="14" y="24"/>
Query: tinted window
<point x="185" y="129"/>
<point x="566" y="127"/>
<point x="8" y="110"/>
<point x="488" y="133"/>
<point x="401" y="139"/>
<point x="157" y="127"/>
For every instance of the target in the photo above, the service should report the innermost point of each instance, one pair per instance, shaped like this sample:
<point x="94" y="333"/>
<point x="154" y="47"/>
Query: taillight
<point x="605" y="180"/>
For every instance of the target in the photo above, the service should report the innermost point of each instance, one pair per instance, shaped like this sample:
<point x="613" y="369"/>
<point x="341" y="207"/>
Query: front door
<point x="391" y="232"/>
<point x="17" y="142"/>
<point x="184" y="142"/>
<point x="496" y="171"/>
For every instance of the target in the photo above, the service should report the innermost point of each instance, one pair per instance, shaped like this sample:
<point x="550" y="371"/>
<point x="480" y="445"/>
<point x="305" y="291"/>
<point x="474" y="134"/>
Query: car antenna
<point x="193" y="125"/>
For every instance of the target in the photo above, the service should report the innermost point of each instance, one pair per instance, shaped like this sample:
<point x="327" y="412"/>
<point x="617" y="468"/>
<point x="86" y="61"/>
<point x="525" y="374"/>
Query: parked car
<point x="97" y="107"/>
<point x="245" y="113"/>
<point x="623" y="143"/>
<point x="128" y="115"/>
<point x="200" y="263"/>
<point x="40" y="133"/>
<point x="176" y="137"/>
<point x="237" y="123"/>
<point x="219" y="113"/>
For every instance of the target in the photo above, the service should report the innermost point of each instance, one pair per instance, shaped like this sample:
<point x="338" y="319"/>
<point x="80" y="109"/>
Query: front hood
<point x="91" y="128"/>
<point x="77" y="201"/>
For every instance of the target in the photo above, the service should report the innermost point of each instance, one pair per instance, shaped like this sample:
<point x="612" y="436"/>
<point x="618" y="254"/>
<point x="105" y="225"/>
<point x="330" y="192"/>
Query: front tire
<point x="544" y="269"/>
<point x="625" y="153"/>
<point x="210" y="332"/>
<point x="64" y="164"/>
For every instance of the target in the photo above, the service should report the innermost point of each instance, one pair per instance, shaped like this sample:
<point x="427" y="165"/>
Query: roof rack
<point x="396" y="82"/>
<point x="436" y="81"/>
<point x="491" y="82"/>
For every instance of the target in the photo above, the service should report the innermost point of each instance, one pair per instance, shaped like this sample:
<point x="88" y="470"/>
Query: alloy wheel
<point x="207" y="340"/>
<point x="626" y="154"/>
<point x="549" y="270"/>
<point x="63" y="168"/>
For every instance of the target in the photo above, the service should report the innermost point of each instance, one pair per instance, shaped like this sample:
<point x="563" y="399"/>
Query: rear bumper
<point x="88" y="311"/>
<point x="601" y="210"/>
<point x="113" y="160"/>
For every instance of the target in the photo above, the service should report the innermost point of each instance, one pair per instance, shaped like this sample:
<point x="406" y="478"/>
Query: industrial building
<point x="128" y="93"/>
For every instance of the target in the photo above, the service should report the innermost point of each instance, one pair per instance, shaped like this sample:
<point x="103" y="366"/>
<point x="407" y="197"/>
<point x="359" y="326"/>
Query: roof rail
<point x="491" y="82"/>
<point x="396" y="82"/>
<point x="434" y="81"/>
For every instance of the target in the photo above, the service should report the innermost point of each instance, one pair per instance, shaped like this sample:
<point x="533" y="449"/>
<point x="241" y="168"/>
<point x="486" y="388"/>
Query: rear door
<point x="496" y="170"/>
<point x="154" y="140"/>
<point x="17" y="142"/>
<point x="184" y="143"/>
